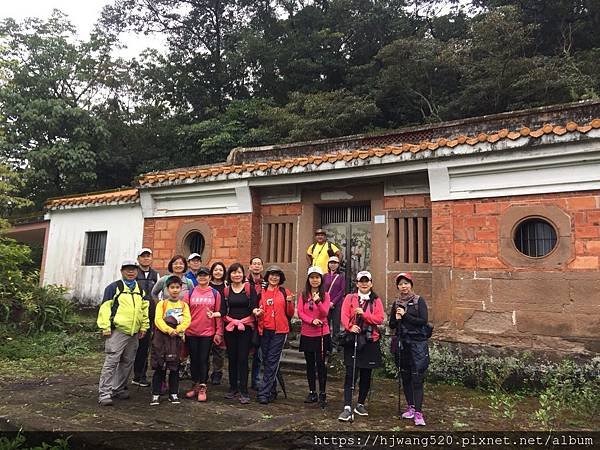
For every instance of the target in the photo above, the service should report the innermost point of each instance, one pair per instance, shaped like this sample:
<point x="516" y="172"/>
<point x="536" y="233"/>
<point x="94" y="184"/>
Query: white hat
<point x="129" y="263"/>
<point x="194" y="255"/>
<point x="363" y="274"/>
<point x="314" y="269"/>
<point x="334" y="258"/>
<point x="144" y="250"/>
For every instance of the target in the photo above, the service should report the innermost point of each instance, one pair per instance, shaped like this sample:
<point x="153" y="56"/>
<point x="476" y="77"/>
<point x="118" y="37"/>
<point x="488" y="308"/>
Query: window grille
<point x="195" y="242"/>
<point x="411" y="238"/>
<point x="535" y="237"/>
<point x="344" y="214"/>
<point x="279" y="242"/>
<point x="95" y="248"/>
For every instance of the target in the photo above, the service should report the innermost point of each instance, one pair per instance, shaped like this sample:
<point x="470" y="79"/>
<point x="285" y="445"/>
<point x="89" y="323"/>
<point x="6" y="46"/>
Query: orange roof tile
<point x="129" y="195"/>
<point x="350" y="155"/>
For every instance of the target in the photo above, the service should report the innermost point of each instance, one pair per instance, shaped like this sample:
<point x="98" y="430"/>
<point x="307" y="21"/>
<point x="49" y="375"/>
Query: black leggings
<point x="315" y="365"/>
<point x="412" y="379"/>
<point x="363" y="386"/>
<point x="199" y="351"/>
<point x="238" y="348"/>
<point x="158" y="378"/>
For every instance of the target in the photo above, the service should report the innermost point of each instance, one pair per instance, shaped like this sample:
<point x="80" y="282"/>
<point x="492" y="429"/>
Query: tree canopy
<point x="75" y="118"/>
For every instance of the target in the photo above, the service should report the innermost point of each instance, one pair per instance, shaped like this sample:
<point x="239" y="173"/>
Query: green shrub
<point x="33" y="308"/>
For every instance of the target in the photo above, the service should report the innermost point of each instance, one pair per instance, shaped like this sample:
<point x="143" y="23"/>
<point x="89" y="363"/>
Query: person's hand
<point x="400" y="312"/>
<point x="173" y="332"/>
<point x="316" y="297"/>
<point x="213" y="315"/>
<point x="289" y="298"/>
<point x="359" y="311"/>
<point x="257" y="312"/>
<point x="355" y="329"/>
<point x="332" y="306"/>
<point x="106" y="333"/>
<point x="317" y="322"/>
<point x="141" y="334"/>
<point x="218" y="339"/>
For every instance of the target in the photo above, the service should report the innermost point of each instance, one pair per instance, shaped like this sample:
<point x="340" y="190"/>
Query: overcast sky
<point x="82" y="13"/>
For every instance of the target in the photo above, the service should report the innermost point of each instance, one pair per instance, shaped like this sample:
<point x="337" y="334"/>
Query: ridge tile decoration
<point x="155" y="178"/>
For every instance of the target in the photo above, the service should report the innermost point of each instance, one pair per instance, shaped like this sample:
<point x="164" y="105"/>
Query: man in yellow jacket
<point x="123" y="319"/>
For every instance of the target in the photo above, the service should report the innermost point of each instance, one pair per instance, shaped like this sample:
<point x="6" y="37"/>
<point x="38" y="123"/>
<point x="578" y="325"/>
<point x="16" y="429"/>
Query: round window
<point x="535" y="237"/>
<point x="195" y="242"/>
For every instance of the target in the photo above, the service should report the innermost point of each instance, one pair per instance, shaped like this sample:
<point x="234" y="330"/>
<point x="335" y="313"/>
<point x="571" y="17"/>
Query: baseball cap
<point x="334" y="258"/>
<point x="320" y="231"/>
<point x="129" y="263"/>
<point x="203" y="270"/>
<point x="314" y="269"/>
<point x="363" y="274"/>
<point x="194" y="255"/>
<point x="406" y="275"/>
<point x="144" y="250"/>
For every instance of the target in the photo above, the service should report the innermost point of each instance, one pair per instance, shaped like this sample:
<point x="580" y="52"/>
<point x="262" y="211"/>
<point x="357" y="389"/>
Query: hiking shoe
<point x="361" y="410"/>
<point x="244" y="399"/>
<point x="311" y="398"/>
<point x="174" y="398"/>
<point x="192" y="393"/>
<point x="419" y="419"/>
<point x="121" y="395"/>
<point x="216" y="378"/>
<point x="263" y="400"/>
<point x="202" y="393"/>
<point x="155" y="400"/>
<point x="322" y="399"/>
<point x="409" y="413"/>
<point x="141" y="382"/>
<point x="346" y="415"/>
<point x="105" y="402"/>
<point x="231" y="395"/>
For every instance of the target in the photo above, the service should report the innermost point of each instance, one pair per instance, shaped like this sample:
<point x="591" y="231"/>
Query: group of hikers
<point x="198" y="314"/>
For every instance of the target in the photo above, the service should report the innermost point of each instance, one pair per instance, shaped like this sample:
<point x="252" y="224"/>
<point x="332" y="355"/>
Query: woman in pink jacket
<point x="362" y="313"/>
<point x="315" y="339"/>
<point x="205" y="329"/>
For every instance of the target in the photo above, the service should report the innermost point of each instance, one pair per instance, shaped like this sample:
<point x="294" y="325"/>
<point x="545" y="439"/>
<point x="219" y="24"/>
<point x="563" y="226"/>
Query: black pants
<point x="218" y="354"/>
<point x="363" y="386"/>
<point x="315" y="365"/>
<point x="334" y="319"/>
<point x="158" y="378"/>
<point x="412" y="380"/>
<point x="238" y="347"/>
<point x="140" y="365"/>
<point x="199" y="352"/>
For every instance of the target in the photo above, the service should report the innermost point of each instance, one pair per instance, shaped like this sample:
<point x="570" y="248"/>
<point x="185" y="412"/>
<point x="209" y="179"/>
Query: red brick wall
<point x="231" y="237"/>
<point x="466" y="233"/>
<point x="286" y="209"/>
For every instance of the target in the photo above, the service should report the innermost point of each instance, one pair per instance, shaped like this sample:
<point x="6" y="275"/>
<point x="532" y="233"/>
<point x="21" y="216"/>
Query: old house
<point x="498" y="217"/>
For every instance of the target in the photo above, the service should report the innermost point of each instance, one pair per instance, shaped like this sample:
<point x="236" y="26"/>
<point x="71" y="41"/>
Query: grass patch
<point x="52" y="353"/>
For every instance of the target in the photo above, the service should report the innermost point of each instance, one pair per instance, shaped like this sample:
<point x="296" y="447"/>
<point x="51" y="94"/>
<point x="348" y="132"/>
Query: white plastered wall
<point x="66" y="246"/>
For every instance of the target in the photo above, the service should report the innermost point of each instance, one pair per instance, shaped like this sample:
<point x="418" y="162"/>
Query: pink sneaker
<point x="409" y="413"/>
<point x="419" y="419"/>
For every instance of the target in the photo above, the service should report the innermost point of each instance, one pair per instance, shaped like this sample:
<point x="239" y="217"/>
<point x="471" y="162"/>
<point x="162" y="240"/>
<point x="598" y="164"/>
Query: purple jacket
<point x="338" y="290"/>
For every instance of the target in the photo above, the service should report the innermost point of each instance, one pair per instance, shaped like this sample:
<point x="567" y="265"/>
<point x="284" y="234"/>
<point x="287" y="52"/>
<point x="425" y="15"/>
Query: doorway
<point x="349" y="227"/>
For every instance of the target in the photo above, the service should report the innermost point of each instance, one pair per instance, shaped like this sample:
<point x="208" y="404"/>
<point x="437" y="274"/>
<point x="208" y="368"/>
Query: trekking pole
<point x="322" y="345"/>
<point x="353" y="374"/>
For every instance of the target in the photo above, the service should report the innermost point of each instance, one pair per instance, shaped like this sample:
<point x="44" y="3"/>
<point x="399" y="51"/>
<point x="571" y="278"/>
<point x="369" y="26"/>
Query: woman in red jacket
<point x="205" y="329"/>
<point x="315" y="340"/>
<point x="362" y="313"/>
<point x="275" y="309"/>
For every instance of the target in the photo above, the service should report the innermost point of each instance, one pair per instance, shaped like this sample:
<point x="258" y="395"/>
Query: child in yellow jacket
<point x="171" y="320"/>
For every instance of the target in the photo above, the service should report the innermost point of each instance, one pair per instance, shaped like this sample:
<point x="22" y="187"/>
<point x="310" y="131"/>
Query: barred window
<point x="411" y="237"/>
<point x="535" y="237"/>
<point x="95" y="248"/>
<point x="195" y="243"/>
<point x="279" y="241"/>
